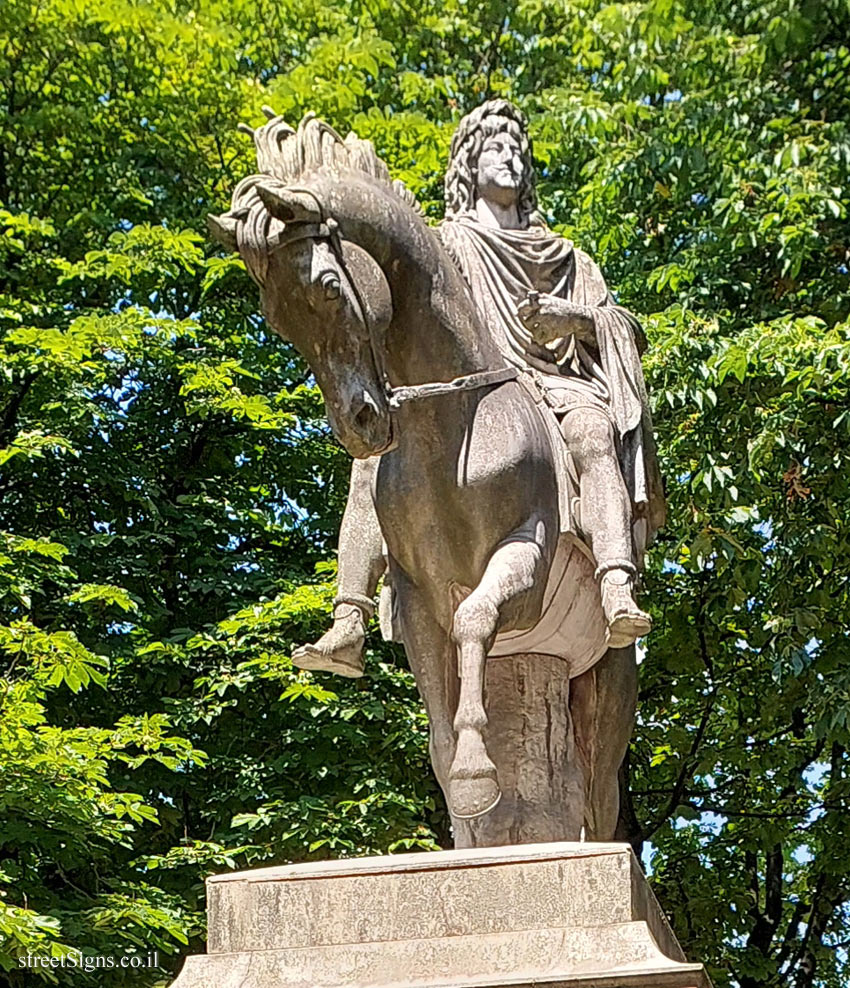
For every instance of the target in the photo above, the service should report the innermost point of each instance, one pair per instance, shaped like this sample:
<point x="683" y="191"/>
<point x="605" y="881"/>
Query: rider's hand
<point x="549" y="318"/>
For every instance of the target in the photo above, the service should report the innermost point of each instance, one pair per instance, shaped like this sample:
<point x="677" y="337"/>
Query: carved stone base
<point x="562" y="915"/>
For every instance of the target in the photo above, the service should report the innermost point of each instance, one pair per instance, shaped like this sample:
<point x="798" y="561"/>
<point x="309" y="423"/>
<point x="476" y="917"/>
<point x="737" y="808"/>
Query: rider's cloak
<point x="501" y="267"/>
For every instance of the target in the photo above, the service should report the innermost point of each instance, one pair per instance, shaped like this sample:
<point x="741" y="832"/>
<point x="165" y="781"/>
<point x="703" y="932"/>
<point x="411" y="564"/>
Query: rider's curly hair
<point x="496" y="116"/>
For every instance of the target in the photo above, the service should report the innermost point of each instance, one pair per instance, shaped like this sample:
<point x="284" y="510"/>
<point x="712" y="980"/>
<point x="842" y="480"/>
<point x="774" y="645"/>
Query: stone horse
<point x="466" y="491"/>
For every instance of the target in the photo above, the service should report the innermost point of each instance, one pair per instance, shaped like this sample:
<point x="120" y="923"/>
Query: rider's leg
<point x="361" y="563"/>
<point x="606" y="520"/>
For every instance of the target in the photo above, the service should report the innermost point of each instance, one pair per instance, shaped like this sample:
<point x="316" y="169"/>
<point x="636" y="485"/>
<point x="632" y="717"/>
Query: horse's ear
<point x="289" y="205"/>
<point x="223" y="229"/>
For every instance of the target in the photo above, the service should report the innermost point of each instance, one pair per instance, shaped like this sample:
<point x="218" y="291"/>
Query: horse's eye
<point x="330" y="284"/>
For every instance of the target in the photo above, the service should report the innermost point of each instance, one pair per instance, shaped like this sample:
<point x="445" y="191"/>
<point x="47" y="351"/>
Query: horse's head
<point x="330" y="299"/>
<point x="324" y="294"/>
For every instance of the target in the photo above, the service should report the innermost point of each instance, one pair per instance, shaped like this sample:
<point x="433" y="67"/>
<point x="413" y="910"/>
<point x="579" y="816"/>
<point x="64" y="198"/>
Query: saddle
<point x="572" y="624"/>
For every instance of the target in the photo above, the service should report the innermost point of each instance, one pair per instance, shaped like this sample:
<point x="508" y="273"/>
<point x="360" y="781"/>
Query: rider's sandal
<point x="340" y="649"/>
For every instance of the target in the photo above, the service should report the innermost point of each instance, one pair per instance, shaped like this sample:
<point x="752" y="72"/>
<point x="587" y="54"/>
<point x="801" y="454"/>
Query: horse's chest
<point x="443" y="520"/>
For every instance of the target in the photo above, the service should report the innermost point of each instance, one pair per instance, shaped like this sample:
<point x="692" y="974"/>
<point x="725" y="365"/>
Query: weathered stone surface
<point x="492" y="388"/>
<point x="555" y="914"/>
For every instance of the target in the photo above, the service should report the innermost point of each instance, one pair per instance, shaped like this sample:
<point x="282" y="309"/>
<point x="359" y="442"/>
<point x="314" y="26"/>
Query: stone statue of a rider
<point x="553" y="317"/>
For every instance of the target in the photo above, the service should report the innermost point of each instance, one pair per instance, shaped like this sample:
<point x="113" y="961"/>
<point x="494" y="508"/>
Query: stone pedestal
<point x="562" y="915"/>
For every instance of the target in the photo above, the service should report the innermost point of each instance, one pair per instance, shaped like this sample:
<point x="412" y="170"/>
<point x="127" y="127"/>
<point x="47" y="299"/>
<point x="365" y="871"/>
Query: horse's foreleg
<point x="431" y="655"/>
<point x="506" y="595"/>
<point x="473" y="786"/>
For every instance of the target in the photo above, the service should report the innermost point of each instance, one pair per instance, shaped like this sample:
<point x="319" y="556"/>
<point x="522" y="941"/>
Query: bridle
<point x="396" y="397"/>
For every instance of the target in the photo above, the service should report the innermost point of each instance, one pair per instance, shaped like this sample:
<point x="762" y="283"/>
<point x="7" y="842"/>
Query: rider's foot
<point x="626" y="621"/>
<point x="340" y="649"/>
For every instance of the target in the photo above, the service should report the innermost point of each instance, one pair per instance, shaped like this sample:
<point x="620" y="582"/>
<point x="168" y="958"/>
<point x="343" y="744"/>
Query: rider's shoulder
<point x="587" y="266"/>
<point x="583" y="258"/>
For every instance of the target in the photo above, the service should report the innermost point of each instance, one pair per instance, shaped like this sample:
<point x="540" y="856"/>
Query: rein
<point x="470" y="382"/>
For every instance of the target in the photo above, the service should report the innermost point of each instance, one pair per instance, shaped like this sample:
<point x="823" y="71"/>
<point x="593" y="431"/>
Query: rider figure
<point x="550" y="311"/>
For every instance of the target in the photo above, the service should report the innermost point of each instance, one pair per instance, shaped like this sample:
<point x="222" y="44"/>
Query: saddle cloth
<point x="572" y="625"/>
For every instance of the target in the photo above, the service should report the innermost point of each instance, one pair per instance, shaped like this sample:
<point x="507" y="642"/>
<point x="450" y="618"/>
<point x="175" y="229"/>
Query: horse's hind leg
<point x="509" y="594"/>
<point x="602" y="705"/>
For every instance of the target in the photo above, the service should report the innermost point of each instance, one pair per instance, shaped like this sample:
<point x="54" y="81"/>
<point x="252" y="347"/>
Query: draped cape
<point x="501" y="267"/>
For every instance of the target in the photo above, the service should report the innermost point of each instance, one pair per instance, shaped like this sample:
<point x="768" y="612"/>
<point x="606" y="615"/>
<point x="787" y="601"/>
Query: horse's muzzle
<point x="369" y="429"/>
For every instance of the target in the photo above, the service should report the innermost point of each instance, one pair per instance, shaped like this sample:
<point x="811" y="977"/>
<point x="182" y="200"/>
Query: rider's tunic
<point x="501" y="267"/>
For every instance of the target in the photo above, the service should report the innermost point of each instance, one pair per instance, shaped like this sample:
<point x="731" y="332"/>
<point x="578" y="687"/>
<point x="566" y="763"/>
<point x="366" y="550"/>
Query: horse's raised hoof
<point x="339" y="650"/>
<point x="469" y="798"/>
<point x="473" y="786"/>
<point x="346" y="662"/>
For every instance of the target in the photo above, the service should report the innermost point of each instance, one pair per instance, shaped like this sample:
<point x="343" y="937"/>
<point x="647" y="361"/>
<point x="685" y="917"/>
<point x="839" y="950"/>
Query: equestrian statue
<point x="504" y="483"/>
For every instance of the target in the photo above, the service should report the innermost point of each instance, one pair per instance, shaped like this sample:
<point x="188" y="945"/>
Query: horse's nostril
<point x="365" y="417"/>
<point x="368" y="426"/>
<point x="367" y="414"/>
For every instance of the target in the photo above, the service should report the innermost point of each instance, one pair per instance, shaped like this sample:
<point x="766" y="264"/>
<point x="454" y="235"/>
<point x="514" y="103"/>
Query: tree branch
<point x="10" y="413"/>
<point x="685" y="771"/>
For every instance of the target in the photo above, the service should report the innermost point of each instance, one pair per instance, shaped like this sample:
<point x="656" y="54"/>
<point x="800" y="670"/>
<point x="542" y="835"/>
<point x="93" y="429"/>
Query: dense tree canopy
<point x="170" y="494"/>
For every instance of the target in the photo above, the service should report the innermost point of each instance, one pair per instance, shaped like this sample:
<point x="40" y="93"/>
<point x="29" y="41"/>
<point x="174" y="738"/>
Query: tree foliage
<point x="169" y="492"/>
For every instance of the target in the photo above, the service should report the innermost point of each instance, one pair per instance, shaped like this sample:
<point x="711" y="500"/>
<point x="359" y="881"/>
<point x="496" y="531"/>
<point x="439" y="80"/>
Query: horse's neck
<point x="436" y="333"/>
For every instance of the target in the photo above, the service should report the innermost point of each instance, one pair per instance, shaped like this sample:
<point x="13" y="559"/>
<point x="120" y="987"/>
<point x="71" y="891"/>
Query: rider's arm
<point x="549" y="318"/>
<point x="590" y="291"/>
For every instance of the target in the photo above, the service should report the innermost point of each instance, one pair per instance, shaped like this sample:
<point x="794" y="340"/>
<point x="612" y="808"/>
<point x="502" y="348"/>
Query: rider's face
<point x="500" y="169"/>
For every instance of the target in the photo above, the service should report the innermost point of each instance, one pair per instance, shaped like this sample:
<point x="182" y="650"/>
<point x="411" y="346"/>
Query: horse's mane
<point x="288" y="155"/>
